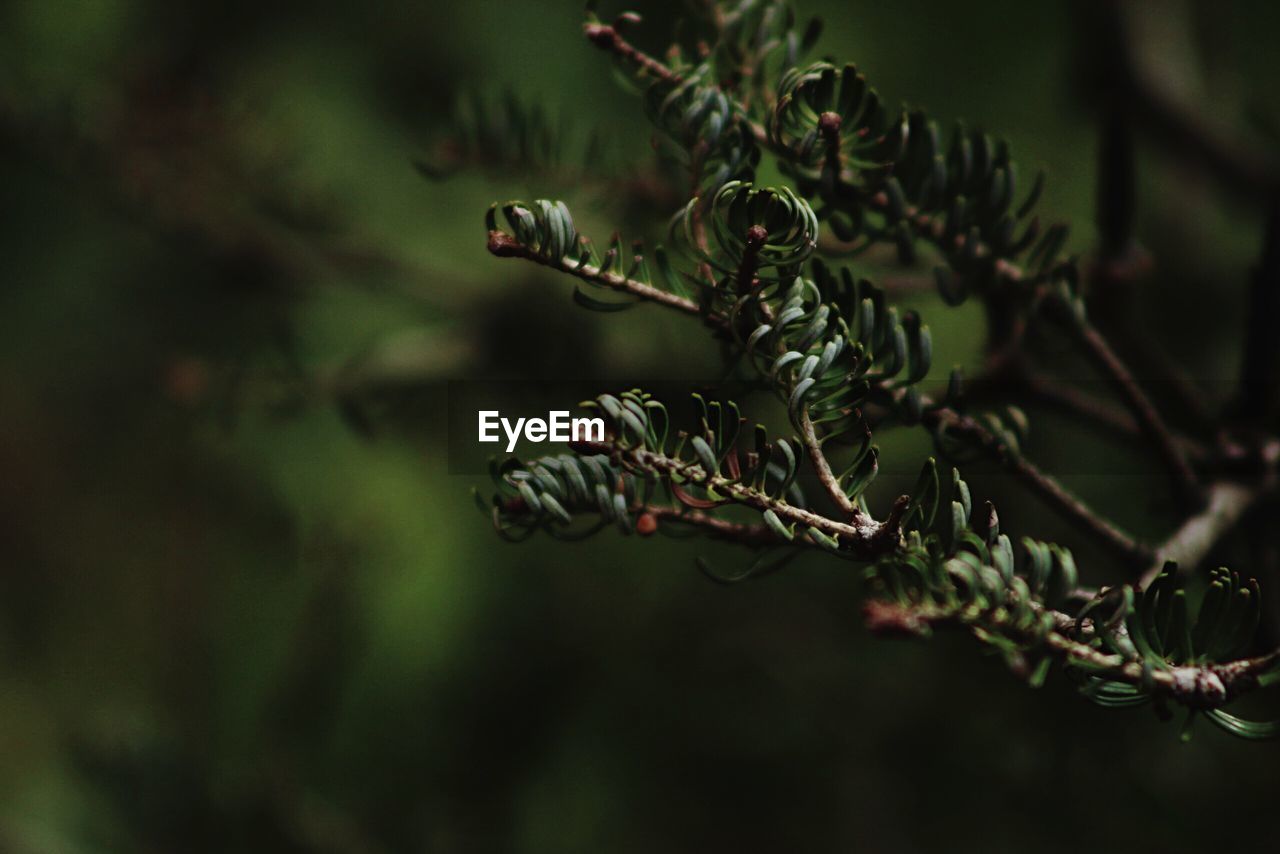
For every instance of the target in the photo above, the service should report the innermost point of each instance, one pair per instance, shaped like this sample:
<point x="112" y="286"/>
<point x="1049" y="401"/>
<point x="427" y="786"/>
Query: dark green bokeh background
<point x="233" y="619"/>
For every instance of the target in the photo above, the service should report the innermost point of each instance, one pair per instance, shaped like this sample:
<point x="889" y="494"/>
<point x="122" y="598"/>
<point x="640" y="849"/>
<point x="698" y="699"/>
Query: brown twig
<point x="738" y="532"/>
<point x="1186" y="485"/>
<point x="1227" y="504"/>
<point x="1039" y="388"/>
<point x="505" y="246"/>
<point x="1118" y="543"/>
<point x="830" y="483"/>
<point x="607" y="37"/>
<point x="865" y="537"/>
<point x="1078" y="403"/>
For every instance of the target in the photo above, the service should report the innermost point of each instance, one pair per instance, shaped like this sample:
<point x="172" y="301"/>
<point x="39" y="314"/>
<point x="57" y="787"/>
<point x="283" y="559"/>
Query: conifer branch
<point x="829" y="344"/>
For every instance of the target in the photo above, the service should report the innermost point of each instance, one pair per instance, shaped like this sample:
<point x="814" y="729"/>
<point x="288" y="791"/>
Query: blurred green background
<point x="244" y="605"/>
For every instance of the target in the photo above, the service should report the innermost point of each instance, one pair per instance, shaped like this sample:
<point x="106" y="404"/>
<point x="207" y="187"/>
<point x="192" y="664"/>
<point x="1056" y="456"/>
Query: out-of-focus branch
<point x="1192" y="542"/>
<point x="1125" y="83"/>
<point x="1121" y="545"/>
<point x="1185" y="483"/>
<point x="1228" y="502"/>
<point x="1260" y="363"/>
<point x="1016" y="379"/>
<point x="187" y="191"/>
<point x="1121" y="262"/>
<point x="1245" y="169"/>
<point x="722" y="529"/>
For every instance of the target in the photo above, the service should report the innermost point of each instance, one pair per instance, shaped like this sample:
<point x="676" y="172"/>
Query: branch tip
<point x="504" y="245"/>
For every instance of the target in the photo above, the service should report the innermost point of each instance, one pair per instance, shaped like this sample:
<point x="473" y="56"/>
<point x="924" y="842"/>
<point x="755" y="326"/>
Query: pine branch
<point x="960" y="243"/>
<point x="1115" y="541"/>
<point x="1124" y="647"/>
<point x="829" y="344"/>
<point x="608" y="38"/>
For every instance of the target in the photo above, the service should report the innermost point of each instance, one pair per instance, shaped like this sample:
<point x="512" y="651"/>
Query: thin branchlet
<point x="504" y="246"/>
